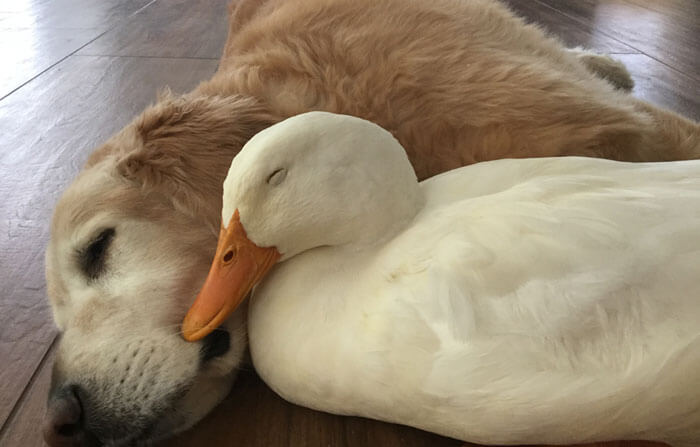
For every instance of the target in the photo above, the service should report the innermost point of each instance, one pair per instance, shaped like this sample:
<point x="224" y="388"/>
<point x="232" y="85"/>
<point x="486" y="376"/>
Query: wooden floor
<point x="72" y="72"/>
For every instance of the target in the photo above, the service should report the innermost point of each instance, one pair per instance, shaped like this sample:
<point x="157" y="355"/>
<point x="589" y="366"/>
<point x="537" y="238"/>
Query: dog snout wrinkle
<point x="114" y="393"/>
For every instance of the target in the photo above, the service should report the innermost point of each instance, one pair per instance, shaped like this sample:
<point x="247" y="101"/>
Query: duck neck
<point x="387" y="218"/>
<point x="364" y="224"/>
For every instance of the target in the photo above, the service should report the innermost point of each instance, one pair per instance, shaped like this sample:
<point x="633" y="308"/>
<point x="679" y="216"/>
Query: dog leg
<point x="605" y="67"/>
<point x="677" y="138"/>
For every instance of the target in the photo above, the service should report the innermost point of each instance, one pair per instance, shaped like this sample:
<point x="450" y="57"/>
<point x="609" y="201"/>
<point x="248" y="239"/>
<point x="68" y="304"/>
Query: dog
<point x="456" y="82"/>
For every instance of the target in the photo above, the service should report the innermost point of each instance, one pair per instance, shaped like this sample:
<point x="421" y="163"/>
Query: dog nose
<point x="63" y="425"/>
<point x="215" y="344"/>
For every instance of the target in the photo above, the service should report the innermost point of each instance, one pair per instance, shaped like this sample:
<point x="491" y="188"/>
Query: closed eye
<point x="91" y="259"/>
<point x="277" y="177"/>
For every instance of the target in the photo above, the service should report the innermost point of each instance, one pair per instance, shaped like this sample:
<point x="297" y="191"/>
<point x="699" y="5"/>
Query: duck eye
<point x="92" y="257"/>
<point x="277" y="177"/>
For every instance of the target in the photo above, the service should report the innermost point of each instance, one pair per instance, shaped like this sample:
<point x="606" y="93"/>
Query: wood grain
<point x="667" y="31"/>
<point x="23" y="427"/>
<point x="659" y="84"/>
<point x="49" y="127"/>
<point x="37" y="34"/>
<point x="174" y="28"/>
<point x="572" y="32"/>
<point x="71" y="13"/>
<point x="50" y="124"/>
<point x="33" y="51"/>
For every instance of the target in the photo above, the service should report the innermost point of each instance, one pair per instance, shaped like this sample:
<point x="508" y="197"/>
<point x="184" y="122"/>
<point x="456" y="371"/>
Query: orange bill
<point x="238" y="266"/>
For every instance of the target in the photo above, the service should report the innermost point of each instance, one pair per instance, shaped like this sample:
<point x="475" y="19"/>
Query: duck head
<point x="316" y="179"/>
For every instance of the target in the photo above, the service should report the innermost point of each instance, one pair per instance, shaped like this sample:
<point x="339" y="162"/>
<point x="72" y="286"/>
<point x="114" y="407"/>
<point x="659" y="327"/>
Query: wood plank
<point x="97" y="96"/>
<point x="34" y="50"/>
<point x="573" y="33"/>
<point x="38" y="33"/>
<point x="23" y="428"/>
<point x="681" y="10"/>
<point x="670" y="34"/>
<point x="175" y="28"/>
<point x="49" y="127"/>
<point x="72" y="13"/>
<point x="663" y="86"/>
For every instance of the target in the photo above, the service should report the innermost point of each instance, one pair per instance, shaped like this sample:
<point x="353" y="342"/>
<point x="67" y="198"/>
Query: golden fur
<point x="455" y="81"/>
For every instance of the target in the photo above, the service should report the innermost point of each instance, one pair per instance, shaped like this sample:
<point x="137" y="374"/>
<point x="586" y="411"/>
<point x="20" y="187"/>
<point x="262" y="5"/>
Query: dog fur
<point x="456" y="82"/>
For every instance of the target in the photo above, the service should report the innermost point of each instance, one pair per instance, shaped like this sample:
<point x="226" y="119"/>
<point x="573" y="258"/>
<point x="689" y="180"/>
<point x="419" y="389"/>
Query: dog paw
<point x="607" y="68"/>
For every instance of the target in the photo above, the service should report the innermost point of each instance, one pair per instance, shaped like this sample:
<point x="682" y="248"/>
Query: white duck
<point x="511" y="302"/>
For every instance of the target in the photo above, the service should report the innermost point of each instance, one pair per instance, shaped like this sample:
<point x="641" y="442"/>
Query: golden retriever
<point x="455" y="81"/>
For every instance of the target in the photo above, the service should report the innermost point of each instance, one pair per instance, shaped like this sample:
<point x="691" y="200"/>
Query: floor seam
<point x="147" y="57"/>
<point x="32" y="380"/>
<point x="119" y="23"/>
<point x="677" y="70"/>
<point x="27" y="388"/>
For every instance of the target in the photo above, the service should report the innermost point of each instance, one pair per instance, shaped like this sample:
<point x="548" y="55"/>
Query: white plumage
<point x="551" y="300"/>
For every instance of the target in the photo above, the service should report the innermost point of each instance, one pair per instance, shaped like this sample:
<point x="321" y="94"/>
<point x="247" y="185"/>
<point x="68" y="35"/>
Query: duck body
<point x="529" y="301"/>
<point x="551" y="300"/>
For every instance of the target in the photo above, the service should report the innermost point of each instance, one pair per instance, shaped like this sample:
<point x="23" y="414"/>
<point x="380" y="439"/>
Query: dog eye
<point x="92" y="258"/>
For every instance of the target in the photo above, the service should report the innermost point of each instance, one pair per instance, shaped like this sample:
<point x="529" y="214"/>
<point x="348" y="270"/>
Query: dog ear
<point x="183" y="146"/>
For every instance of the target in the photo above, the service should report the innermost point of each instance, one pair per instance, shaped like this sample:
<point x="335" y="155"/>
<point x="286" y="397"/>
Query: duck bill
<point x="238" y="266"/>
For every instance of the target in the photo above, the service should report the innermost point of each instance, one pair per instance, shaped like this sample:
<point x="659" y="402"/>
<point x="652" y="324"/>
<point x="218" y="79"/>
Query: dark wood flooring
<point x="75" y="71"/>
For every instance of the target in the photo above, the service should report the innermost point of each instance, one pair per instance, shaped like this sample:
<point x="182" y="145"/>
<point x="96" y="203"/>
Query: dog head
<point x="131" y="242"/>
